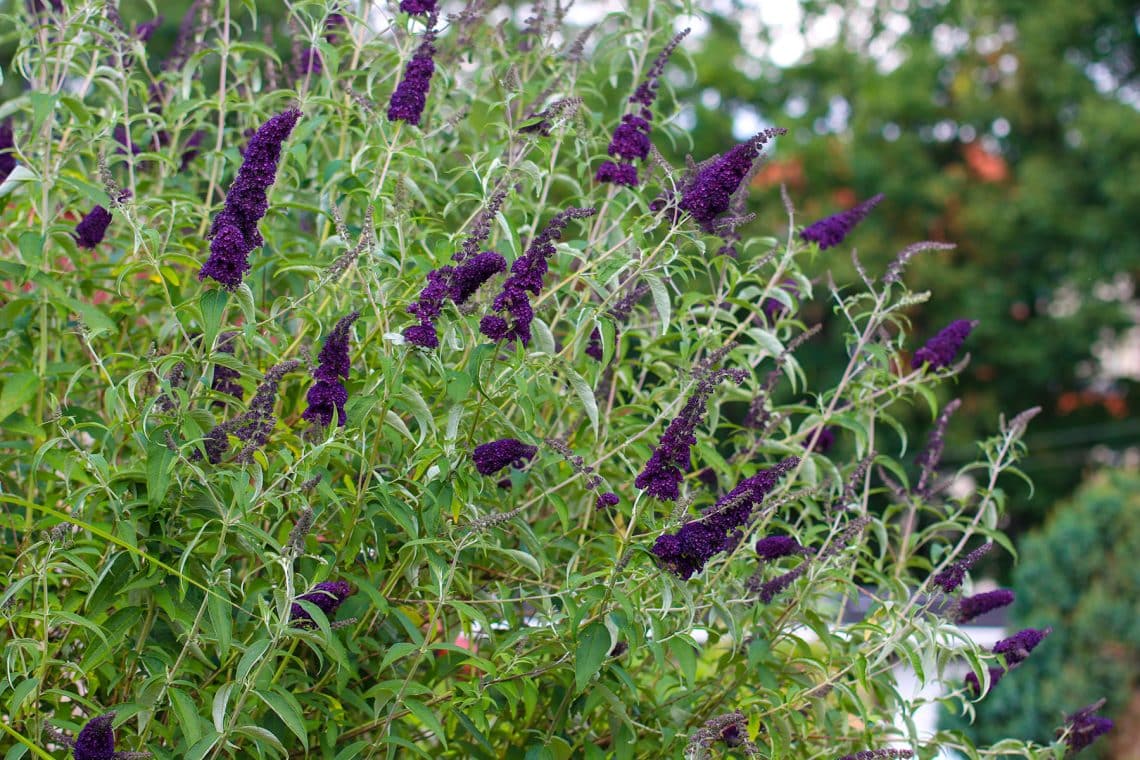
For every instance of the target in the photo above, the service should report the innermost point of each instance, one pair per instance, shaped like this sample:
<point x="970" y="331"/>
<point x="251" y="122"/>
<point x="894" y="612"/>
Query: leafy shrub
<point x="1079" y="575"/>
<point x="508" y="510"/>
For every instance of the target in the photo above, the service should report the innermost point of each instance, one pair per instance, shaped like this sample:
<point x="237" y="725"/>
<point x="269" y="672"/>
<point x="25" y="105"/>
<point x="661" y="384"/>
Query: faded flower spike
<point x="408" y="101"/>
<point x="233" y="233"/>
<point x="831" y="231"/>
<point x="979" y="604"/>
<point x="328" y="395"/>
<point x="666" y="467"/>
<point x="91" y="229"/>
<point x="491" y="457"/>
<point x="327" y="596"/>
<point x="527" y="273"/>
<point x="1017" y="647"/>
<point x="941" y="350"/>
<point x="951" y="578"/>
<point x="1083" y="728"/>
<point x="630" y="141"/>
<point x="879" y="754"/>
<point x="709" y="193"/>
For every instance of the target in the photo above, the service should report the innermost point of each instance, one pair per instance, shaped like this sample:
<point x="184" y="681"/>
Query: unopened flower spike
<point x="1084" y="727"/>
<point x="233" y="233"/>
<point x="830" y="231"/>
<point x="975" y="606"/>
<point x="7" y="148"/>
<point x="951" y="578"/>
<point x="630" y="141"/>
<point x="1017" y="647"/>
<point x="328" y="395"/>
<point x="92" y="227"/>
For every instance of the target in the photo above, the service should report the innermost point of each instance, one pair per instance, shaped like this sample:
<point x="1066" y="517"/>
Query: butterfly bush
<point x="725" y="552"/>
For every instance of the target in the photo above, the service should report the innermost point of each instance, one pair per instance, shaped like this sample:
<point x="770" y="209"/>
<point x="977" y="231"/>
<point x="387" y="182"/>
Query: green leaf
<point x="288" y="711"/>
<point x="199" y="750"/>
<point x="593" y="646"/>
<point x="249" y="658"/>
<point x="218" y="710"/>
<point x="660" y="300"/>
<point x="586" y="395"/>
<point x="213" y="306"/>
<point x="19" y="389"/>
<point x="158" y="464"/>
<point x="221" y="620"/>
<point x="189" y="722"/>
<point x="424" y="714"/>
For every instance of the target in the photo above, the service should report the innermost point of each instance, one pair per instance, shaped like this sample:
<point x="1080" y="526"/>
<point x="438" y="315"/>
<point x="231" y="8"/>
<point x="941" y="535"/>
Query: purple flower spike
<point x="606" y="500"/>
<point x="422" y="335"/>
<point x="418" y="7"/>
<point x="630" y="141"/>
<point x="709" y="193"/>
<point x="327" y="596"/>
<point x="594" y="345"/>
<point x="1017" y="647"/>
<point x="1083" y="728"/>
<point x="328" y="395"/>
<point x="941" y="350"/>
<point x="91" y="229"/>
<point x="979" y="604"/>
<point x="491" y="457"/>
<point x="96" y="741"/>
<point x="831" y="231"/>
<point x="975" y="685"/>
<point x="474" y="272"/>
<point x="775" y="547"/>
<point x="146" y="30"/>
<point x="686" y="552"/>
<point x="951" y="578"/>
<point x="193" y="144"/>
<point x="233" y="233"/>
<point x="667" y="465"/>
<point x="527" y="273"/>
<point x="408" y="101"/>
<point x="7" y="144"/>
<point x="824" y="440"/>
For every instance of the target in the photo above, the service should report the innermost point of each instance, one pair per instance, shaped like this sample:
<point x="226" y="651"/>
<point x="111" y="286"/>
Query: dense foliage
<point x="1078" y="574"/>
<point x="347" y="415"/>
<point x="1006" y="126"/>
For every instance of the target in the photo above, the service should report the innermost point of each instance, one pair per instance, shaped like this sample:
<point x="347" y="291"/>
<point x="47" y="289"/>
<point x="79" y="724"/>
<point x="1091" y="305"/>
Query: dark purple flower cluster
<point x="91" y="228"/>
<point x="328" y="395"/>
<point x="606" y="500"/>
<point x="1017" y="647"/>
<point x="95" y="741"/>
<point x="941" y="350"/>
<point x="457" y="283"/>
<point x="630" y="141"/>
<point x="146" y="30"/>
<point x="667" y="465"/>
<point x="1083" y="728"/>
<point x="977" y="605"/>
<point x="708" y="193"/>
<point x="226" y="379"/>
<point x="7" y="146"/>
<point x="951" y="578"/>
<point x="491" y="457"/>
<point x="123" y="138"/>
<point x="326" y="596"/>
<point x="719" y="527"/>
<point x="820" y="442"/>
<point x="418" y="7"/>
<point x="233" y="233"/>
<point x="774" y="547"/>
<point x="975" y="685"/>
<point x="408" y="101"/>
<point x="254" y="426"/>
<point x="594" y="345"/>
<point x="527" y="273"/>
<point x="831" y="231"/>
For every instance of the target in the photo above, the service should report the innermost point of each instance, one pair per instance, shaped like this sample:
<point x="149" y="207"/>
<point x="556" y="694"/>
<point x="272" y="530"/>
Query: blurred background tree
<point x="1077" y="574"/>
<point x="1005" y="126"/>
